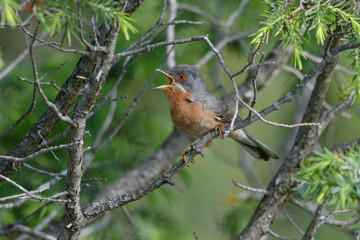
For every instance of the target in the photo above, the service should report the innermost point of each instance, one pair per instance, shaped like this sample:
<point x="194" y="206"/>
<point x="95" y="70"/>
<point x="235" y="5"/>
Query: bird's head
<point x="185" y="77"/>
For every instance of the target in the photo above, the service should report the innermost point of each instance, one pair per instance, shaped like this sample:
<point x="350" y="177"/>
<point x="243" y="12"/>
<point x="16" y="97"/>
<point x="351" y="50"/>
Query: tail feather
<point x="253" y="145"/>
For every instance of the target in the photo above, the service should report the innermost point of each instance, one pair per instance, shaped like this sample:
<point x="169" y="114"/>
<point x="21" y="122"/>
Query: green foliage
<point x="7" y="15"/>
<point x="58" y="17"/>
<point x="294" y="22"/>
<point x="353" y="85"/>
<point x="332" y="174"/>
<point x="7" y="12"/>
<point x="69" y="14"/>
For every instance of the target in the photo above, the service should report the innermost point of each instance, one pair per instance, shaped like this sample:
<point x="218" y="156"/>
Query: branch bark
<point x="70" y="90"/>
<point x="280" y="187"/>
<point x="74" y="215"/>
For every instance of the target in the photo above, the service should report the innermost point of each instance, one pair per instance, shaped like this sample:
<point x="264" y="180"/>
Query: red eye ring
<point x="182" y="77"/>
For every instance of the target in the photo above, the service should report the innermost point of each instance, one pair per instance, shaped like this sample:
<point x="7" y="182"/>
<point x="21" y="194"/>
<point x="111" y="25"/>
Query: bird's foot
<point x="198" y="150"/>
<point x="219" y="129"/>
<point x="184" y="158"/>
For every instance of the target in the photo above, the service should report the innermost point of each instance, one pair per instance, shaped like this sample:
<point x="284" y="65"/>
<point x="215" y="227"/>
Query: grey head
<point x="185" y="76"/>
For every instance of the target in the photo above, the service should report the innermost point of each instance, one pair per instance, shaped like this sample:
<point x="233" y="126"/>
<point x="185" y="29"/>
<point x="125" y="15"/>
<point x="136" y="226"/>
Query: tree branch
<point x="69" y="92"/>
<point x="19" y="228"/>
<point x="310" y="231"/>
<point x="280" y="186"/>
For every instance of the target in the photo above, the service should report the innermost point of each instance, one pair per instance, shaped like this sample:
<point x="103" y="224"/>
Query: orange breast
<point x="189" y="117"/>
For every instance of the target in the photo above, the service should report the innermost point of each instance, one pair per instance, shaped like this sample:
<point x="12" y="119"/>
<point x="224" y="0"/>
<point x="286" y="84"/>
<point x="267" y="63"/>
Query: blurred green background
<point x="204" y="198"/>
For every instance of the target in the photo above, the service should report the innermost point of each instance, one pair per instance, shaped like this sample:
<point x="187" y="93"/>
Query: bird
<point x="195" y="111"/>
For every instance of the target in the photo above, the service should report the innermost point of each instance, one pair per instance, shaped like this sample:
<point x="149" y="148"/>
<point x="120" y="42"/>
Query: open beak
<point x="169" y="83"/>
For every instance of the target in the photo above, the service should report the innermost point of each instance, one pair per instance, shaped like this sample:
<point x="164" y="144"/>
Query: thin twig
<point x="311" y="230"/>
<point x="44" y="172"/>
<point x="220" y="45"/>
<point x="53" y="45"/>
<point x="318" y="59"/>
<point x="275" y="235"/>
<point x="40" y="152"/>
<point x="93" y="27"/>
<point x="203" y="14"/>
<point x="330" y="114"/>
<point x="54" y="138"/>
<point x="102" y="103"/>
<point x="19" y="58"/>
<point x="195" y="235"/>
<point x="52" y="83"/>
<point x="82" y="38"/>
<point x="31" y="108"/>
<point x="37" y="82"/>
<point x="334" y="222"/>
<point x="148" y="48"/>
<point x="52" y="70"/>
<point x="107" y="121"/>
<point x="30" y="194"/>
<point x="14" y="63"/>
<point x="170" y="34"/>
<point x="46" y="144"/>
<point x="97" y="47"/>
<point x="152" y="30"/>
<point x="127" y="215"/>
<point x="18" y="228"/>
<point x="323" y="219"/>
<point x="235" y="14"/>
<point x="24" y="218"/>
<point x="344" y="146"/>
<point x="294" y="71"/>
<point x="256" y="190"/>
<point x="253" y="81"/>
<point x="175" y="22"/>
<point x="48" y="219"/>
<point x="274" y="123"/>
<point x="287" y="215"/>
<point x="252" y="58"/>
<point x="96" y="227"/>
<point x="19" y="202"/>
<point x="126" y="64"/>
<point x="25" y="195"/>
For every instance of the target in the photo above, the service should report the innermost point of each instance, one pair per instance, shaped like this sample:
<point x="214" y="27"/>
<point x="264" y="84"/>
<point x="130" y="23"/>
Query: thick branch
<point x="280" y="187"/>
<point x="98" y="208"/>
<point x="310" y="231"/>
<point x="64" y="100"/>
<point x="74" y="216"/>
<point x="157" y="163"/>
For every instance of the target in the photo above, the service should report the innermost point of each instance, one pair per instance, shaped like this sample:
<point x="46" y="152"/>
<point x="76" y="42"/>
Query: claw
<point x="219" y="128"/>
<point x="184" y="157"/>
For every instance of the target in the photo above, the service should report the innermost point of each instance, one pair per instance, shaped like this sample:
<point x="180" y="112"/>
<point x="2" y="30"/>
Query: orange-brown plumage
<point x="193" y="119"/>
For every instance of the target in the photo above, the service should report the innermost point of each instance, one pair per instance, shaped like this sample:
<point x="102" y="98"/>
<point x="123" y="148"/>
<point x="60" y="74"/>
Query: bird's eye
<point x="182" y="77"/>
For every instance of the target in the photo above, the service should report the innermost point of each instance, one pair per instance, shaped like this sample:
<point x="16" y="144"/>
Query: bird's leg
<point x="219" y="128"/>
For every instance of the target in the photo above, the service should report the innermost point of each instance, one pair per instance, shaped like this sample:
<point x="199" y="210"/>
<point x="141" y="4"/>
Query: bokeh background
<point x="204" y="198"/>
